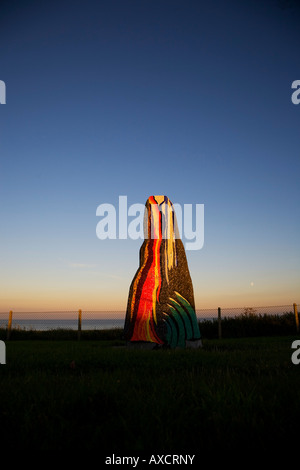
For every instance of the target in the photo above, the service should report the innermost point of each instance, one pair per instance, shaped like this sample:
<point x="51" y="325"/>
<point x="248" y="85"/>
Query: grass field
<point x="233" y="394"/>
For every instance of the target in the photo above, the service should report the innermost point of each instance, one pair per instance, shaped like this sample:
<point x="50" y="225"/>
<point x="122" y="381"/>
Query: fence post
<point x="79" y="324"/>
<point x="296" y="317"/>
<point x="219" y="323"/>
<point x="9" y="325"/>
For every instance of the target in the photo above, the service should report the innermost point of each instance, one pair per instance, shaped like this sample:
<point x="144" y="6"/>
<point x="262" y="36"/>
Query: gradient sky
<point x="189" y="99"/>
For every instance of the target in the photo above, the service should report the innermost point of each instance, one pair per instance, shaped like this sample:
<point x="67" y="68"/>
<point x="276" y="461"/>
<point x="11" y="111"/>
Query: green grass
<point x="232" y="394"/>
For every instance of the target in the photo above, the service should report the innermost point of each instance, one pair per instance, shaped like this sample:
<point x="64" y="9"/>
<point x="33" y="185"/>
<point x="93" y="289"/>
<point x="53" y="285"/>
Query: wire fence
<point x="106" y="320"/>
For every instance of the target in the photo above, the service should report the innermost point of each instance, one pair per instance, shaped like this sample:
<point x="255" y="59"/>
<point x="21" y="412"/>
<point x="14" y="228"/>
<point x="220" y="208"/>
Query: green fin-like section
<point x="189" y="308"/>
<point x="171" y="334"/>
<point x="181" y="322"/>
<point x="176" y="316"/>
<point x="185" y="318"/>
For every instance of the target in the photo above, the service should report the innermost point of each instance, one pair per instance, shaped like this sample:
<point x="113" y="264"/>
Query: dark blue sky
<point x="185" y="98"/>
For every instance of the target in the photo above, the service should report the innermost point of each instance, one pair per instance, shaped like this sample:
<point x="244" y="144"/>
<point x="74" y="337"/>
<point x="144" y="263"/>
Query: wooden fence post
<point x="219" y="323"/>
<point x="79" y="324"/>
<point x="9" y="325"/>
<point x="296" y="317"/>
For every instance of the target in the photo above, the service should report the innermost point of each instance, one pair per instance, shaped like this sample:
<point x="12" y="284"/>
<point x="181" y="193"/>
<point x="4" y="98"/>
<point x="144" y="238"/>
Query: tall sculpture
<point x="161" y="308"/>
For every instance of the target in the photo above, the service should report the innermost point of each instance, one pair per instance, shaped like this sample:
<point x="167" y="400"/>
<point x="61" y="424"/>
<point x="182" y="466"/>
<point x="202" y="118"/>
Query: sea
<point x="43" y="324"/>
<point x="39" y="324"/>
<point x="98" y="320"/>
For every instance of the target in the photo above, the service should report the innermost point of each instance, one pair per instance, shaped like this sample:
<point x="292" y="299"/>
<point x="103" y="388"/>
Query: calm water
<point x="71" y="324"/>
<point x="22" y="319"/>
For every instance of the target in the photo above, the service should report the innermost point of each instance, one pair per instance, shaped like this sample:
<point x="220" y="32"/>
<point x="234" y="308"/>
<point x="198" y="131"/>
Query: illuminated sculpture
<point x="161" y="308"/>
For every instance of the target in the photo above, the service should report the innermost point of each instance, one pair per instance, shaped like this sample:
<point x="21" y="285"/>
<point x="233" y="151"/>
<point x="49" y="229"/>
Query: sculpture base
<point x="193" y="344"/>
<point x="189" y="344"/>
<point x="142" y="345"/>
